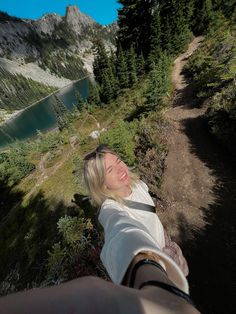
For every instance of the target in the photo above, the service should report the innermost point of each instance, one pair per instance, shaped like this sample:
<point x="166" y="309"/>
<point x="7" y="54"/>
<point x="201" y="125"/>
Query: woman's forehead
<point x="110" y="159"/>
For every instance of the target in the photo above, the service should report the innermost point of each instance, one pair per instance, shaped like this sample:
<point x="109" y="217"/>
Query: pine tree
<point x="181" y="32"/>
<point x="202" y="16"/>
<point x="140" y="65"/>
<point x="93" y="94"/>
<point x="105" y="71"/>
<point x="134" y="25"/>
<point x="112" y="62"/>
<point x="60" y="112"/>
<point x="167" y="25"/>
<point x="107" y="89"/>
<point x="228" y="8"/>
<point x="159" y="82"/>
<point x="101" y="60"/>
<point x="188" y="12"/>
<point x="122" y="69"/>
<point x="132" y="67"/>
<point x="208" y="11"/>
<point x="113" y="74"/>
<point x="155" y="36"/>
<point x="80" y="101"/>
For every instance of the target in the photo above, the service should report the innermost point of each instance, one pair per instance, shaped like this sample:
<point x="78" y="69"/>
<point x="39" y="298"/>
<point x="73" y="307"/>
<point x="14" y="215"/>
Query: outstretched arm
<point x="90" y="295"/>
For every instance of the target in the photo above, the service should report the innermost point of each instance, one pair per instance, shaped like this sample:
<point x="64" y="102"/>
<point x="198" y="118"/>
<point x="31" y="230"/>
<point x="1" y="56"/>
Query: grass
<point x="61" y="185"/>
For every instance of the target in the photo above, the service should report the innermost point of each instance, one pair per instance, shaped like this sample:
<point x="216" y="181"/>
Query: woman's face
<point x="117" y="173"/>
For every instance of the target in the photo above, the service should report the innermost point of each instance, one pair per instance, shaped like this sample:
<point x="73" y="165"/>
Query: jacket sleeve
<point x="125" y="238"/>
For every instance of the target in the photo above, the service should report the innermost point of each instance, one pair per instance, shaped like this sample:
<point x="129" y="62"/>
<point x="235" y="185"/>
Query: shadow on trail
<point x="185" y="96"/>
<point x="212" y="252"/>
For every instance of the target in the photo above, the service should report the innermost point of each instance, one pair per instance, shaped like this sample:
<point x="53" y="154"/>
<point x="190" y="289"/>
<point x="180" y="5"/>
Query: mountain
<point x="61" y="45"/>
<point x="39" y="56"/>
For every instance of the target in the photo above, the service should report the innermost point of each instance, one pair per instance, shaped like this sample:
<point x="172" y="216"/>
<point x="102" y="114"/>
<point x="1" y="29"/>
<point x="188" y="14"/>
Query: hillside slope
<point x="33" y="71"/>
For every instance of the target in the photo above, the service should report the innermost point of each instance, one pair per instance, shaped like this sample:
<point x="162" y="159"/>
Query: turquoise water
<point x="41" y="115"/>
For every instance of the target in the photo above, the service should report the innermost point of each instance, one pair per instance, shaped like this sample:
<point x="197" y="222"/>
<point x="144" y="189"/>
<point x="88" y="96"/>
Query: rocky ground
<point x="33" y="71"/>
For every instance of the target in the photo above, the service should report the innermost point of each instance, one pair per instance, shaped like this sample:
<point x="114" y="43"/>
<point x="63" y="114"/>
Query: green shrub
<point x="221" y="115"/>
<point x="48" y="141"/>
<point x="151" y="150"/>
<point x="77" y="253"/>
<point x="14" y="165"/>
<point x="213" y="64"/>
<point x="121" y="140"/>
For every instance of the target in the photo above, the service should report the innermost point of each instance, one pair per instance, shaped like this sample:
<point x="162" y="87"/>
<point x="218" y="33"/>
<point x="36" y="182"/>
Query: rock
<point x="73" y="140"/>
<point x="47" y="24"/>
<point x="77" y="20"/>
<point x="95" y="134"/>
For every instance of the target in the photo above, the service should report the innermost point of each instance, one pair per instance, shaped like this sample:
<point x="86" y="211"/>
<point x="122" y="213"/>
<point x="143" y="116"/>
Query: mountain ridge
<point x="53" y="50"/>
<point x="26" y="40"/>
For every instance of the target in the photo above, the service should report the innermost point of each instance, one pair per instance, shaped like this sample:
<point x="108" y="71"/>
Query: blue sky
<point x="102" y="11"/>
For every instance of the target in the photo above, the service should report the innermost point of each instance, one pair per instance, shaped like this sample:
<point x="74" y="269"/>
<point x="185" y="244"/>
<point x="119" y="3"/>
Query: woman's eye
<point x="110" y="170"/>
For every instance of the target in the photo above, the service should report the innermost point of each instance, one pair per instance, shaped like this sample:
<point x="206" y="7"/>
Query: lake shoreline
<point x="7" y="117"/>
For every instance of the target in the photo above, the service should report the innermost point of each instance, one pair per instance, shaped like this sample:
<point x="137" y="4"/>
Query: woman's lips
<point x="124" y="176"/>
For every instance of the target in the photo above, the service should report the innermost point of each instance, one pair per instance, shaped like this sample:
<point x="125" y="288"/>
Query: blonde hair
<point x="94" y="176"/>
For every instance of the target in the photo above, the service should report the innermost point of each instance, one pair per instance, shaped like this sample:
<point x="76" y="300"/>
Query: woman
<point x="128" y="231"/>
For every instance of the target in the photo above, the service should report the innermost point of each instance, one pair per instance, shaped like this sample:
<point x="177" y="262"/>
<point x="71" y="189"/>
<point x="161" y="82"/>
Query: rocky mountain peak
<point x="76" y="19"/>
<point x="47" y="23"/>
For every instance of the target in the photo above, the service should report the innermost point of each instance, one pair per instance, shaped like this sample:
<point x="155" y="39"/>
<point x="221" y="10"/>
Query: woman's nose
<point x="119" y="168"/>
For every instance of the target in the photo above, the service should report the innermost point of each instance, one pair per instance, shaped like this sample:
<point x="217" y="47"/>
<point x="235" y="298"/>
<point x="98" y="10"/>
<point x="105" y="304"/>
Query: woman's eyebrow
<point x="109" y="168"/>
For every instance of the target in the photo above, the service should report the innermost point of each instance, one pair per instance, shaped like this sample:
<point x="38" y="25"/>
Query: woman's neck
<point x="125" y="192"/>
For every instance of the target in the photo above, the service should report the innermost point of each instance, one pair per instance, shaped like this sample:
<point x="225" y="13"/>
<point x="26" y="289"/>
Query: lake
<point x="40" y="116"/>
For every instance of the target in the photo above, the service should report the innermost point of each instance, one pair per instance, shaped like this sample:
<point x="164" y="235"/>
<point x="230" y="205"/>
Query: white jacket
<point x="129" y="231"/>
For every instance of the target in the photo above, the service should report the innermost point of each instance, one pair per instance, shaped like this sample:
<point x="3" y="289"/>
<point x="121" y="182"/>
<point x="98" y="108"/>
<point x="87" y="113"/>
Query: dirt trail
<point x="187" y="182"/>
<point x="44" y="173"/>
<point x="199" y="186"/>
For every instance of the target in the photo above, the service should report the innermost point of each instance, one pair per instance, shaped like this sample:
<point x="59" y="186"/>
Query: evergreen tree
<point x="132" y="67"/>
<point x="80" y="101"/>
<point x="166" y="28"/>
<point x="188" y="11"/>
<point x="140" y="65"/>
<point x="93" y="94"/>
<point x="107" y="87"/>
<point x="155" y="36"/>
<point x="181" y="31"/>
<point x="159" y="82"/>
<point x="101" y="60"/>
<point x="203" y="14"/>
<point x="60" y="112"/>
<point x="112" y="62"/>
<point x="122" y="69"/>
<point x="113" y="74"/>
<point x="134" y="25"/>
<point x="104" y="71"/>
<point x="228" y="8"/>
